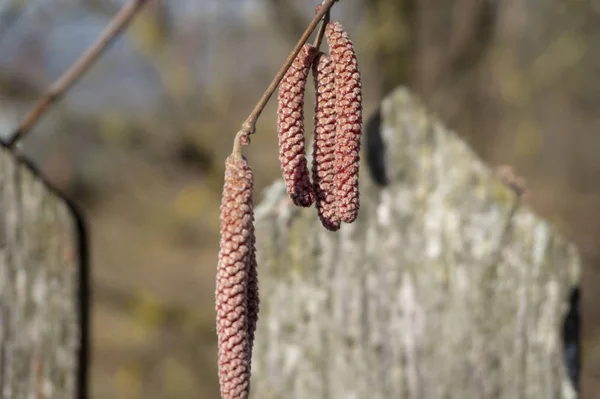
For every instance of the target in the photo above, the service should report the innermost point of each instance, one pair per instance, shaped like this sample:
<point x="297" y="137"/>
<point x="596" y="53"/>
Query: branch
<point x="242" y="137"/>
<point x="321" y="32"/>
<point x="119" y="22"/>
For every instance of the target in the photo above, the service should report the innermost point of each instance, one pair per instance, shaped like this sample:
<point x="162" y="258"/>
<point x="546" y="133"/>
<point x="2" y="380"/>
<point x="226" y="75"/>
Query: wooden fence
<point x="43" y="288"/>
<point x="445" y="286"/>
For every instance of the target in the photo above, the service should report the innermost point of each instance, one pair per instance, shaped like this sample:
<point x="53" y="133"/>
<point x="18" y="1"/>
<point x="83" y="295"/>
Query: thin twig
<point x="321" y="32"/>
<point x="119" y="22"/>
<point x="249" y="126"/>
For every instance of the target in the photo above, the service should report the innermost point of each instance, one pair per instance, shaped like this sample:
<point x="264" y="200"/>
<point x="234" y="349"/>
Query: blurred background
<point x="140" y="141"/>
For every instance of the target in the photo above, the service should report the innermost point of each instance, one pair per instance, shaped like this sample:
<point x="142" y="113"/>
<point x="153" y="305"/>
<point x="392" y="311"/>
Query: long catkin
<point x="290" y="129"/>
<point x="253" y="297"/>
<point x="235" y="324"/>
<point x="324" y="142"/>
<point x="349" y="121"/>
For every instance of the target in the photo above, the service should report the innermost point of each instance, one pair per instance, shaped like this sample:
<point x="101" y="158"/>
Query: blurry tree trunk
<point x="41" y="289"/>
<point x="443" y="288"/>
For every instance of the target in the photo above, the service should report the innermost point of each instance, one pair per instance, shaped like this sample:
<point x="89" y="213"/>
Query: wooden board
<point x="43" y="288"/>
<point x="445" y="287"/>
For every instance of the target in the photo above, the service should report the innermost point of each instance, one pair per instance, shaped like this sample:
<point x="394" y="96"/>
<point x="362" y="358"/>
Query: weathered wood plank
<point x="42" y="285"/>
<point x="443" y="288"/>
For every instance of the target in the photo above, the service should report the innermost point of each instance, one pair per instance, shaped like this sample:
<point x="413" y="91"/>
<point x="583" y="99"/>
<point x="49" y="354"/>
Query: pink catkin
<point x="324" y="142"/>
<point x="235" y="316"/>
<point x="290" y="129"/>
<point x="349" y="121"/>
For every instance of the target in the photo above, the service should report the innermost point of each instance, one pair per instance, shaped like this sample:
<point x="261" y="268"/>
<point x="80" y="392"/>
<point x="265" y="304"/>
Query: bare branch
<point x="321" y="32"/>
<point x="119" y="22"/>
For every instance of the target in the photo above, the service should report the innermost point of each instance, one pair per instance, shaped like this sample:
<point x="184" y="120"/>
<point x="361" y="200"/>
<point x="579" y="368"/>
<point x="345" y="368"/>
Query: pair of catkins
<point x="334" y="190"/>
<point x="337" y="130"/>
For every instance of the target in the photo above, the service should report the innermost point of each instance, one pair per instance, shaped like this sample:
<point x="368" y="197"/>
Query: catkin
<point x="253" y="297"/>
<point x="236" y="260"/>
<point x="290" y="129"/>
<point x="324" y="142"/>
<point x="349" y="121"/>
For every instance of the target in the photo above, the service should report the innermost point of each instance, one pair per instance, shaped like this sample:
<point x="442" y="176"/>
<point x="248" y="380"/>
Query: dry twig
<point x="321" y="32"/>
<point x="119" y="22"/>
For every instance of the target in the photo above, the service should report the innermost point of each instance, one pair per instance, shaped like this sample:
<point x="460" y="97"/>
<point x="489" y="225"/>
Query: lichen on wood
<point x="40" y="308"/>
<point x="444" y="287"/>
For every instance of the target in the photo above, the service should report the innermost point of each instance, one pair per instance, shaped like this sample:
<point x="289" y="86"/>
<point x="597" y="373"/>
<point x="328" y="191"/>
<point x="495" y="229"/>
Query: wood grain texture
<point x="444" y="287"/>
<point x="40" y="308"/>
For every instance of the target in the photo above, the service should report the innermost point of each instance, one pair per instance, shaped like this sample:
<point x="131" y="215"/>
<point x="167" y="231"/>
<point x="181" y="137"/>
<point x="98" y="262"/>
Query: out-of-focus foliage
<point x="141" y="140"/>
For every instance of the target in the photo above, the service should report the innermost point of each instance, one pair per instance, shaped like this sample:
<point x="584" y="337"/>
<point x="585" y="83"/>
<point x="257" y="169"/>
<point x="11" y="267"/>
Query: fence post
<point x="445" y="286"/>
<point x="43" y="288"/>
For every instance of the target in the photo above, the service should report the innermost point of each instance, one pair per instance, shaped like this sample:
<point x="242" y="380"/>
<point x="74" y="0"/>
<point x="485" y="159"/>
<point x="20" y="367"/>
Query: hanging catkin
<point x="236" y="318"/>
<point x="349" y="121"/>
<point x="290" y="129"/>
<point x="253" y="297"/>
<point x="324" y="142"/>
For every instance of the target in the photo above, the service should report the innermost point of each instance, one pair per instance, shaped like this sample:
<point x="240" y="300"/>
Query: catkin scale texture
<point x="290" y="129"/>
<point x="324" y="142"/>
<point x="253" y="297"/>
<point x="235" y="318"/>
<point x="349" y="121"/>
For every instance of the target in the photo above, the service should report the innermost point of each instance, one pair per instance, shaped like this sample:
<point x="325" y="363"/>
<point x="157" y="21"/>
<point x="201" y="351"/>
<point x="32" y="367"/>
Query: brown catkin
<point x="290" y="129"/>
<point x="236" y="260"/>
<point x="324" y="142"/>
<point x="349" y="121"/>
<point x="253" y="297"/>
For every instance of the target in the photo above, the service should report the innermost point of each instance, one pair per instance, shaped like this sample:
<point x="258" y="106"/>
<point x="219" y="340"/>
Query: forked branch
<point x="119" y="22"/>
